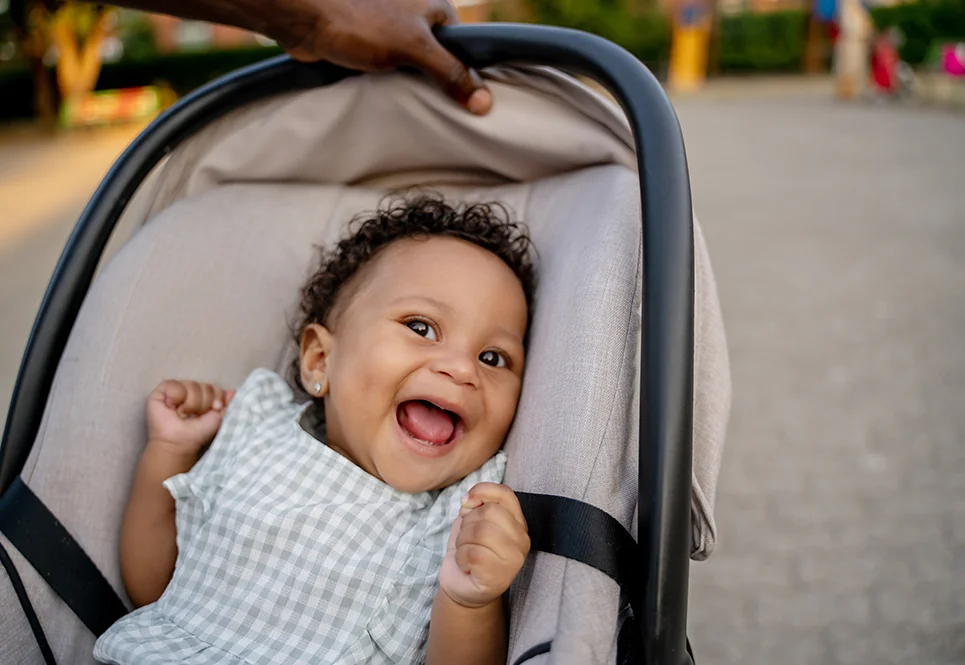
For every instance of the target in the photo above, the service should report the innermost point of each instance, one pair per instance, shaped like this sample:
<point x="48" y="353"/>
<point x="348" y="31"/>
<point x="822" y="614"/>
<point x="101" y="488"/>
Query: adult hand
<point x="379" y="35"/>
<point x="367" y="35"/>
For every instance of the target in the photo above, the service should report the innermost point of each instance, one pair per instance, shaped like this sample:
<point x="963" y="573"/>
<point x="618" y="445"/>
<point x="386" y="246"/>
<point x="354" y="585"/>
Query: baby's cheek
<point x="486" y="447"/>
<point x="357" y="378"/>
<point x="504" y="413"/>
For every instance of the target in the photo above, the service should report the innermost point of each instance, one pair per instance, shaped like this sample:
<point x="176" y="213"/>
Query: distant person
<point x="852" y="49"/>
<point x="375" y="35"/>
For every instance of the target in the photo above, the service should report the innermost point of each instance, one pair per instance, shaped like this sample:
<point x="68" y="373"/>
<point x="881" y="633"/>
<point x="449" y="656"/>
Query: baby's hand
<point x="487" y="547"/>
<point x="186" y="414"/>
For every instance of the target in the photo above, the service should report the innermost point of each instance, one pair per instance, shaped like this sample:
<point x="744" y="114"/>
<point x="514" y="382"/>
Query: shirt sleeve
<point x="196" y="491"/>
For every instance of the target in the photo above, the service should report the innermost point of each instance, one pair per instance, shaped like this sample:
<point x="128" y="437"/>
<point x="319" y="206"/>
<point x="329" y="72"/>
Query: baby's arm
<point x="182" y="416"/>
<point x="487" y="547"/>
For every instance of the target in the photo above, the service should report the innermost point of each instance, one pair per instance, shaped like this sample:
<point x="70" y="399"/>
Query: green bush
<point x="137" y="34"/>
<point x="772" y="42"/>
<point x="748" y="42"/>
<point x="642" y="31"/>
<point x="922" y="24"/>
<point x="183" y="72"/>
<point x="16" y="91"/>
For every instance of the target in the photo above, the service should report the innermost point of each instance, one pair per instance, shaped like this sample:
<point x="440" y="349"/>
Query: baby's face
<point x="423" y="365"/>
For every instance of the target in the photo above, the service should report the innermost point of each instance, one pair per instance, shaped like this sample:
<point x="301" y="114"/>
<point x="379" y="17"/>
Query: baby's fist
<point x="186" y="414"/>
<point x="487" y="546"/>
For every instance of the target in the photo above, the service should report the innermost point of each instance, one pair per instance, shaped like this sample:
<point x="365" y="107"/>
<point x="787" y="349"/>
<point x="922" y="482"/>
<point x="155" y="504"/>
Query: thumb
<point x="207" y="423"/>
<point x="455" y="78"/>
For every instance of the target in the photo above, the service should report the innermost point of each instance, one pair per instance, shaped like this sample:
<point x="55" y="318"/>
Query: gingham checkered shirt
<point x="289" y="553"/>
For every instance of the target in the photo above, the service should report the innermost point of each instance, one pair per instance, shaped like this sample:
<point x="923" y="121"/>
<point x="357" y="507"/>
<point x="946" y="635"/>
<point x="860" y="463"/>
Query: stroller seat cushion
<point x="289" y="553"/>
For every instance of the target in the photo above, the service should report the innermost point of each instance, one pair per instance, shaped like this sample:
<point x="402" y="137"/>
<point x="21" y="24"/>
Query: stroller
<point x="616" y="444"/>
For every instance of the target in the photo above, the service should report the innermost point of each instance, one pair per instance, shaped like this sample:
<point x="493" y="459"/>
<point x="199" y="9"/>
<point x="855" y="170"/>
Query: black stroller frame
<point x="652" y="572"/>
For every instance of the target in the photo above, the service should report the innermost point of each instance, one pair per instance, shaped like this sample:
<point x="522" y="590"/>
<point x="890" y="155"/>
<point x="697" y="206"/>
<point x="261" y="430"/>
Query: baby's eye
<point x="422" y="328"/>
<point x="492" y="358"/>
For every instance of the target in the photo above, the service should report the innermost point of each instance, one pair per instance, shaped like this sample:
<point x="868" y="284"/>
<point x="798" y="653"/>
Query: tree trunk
<point x="713" y="54"/>
<point x="813" y="45"/>
<point x="30" y="27"/>
<point x="79" y="65"/>
<point x="45" y="105"/>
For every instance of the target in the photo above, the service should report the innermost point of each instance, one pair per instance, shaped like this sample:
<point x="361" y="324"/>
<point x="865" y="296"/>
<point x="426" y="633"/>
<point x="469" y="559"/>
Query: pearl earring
<point x="318" y="388"/>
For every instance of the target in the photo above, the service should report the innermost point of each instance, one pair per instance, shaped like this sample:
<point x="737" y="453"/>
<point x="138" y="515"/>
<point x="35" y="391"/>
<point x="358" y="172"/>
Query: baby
<point x="369" y="525"/>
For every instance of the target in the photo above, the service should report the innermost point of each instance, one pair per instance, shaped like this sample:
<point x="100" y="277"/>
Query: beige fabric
<point x="19" y="645"/>
<point x="545" y="123"/>
<point x="712" y="397"/>
<point x="397" y="131"/>
<point x="204" y="290"/>
<point x="578" y="408"/>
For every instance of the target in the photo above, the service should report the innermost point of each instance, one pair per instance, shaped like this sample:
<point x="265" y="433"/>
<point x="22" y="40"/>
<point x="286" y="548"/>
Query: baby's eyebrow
<point x="511" y="335"/>
<point x="438" y="304"/>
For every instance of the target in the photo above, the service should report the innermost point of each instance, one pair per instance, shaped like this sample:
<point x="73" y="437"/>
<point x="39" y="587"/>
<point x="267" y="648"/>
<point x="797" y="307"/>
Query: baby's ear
<point x="314" y="356"/>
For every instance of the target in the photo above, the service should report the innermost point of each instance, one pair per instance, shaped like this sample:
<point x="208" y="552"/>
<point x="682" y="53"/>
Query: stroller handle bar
<point x="666" y="373"/>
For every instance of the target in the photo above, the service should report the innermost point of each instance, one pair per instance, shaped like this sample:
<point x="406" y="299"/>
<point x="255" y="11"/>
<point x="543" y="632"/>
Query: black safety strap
<point x="576" y="530"/>
<point x="557" y="525"/>
<point x="581" y="532"/>
<point x="531" y="653"/>
<point x="44" y="542"/>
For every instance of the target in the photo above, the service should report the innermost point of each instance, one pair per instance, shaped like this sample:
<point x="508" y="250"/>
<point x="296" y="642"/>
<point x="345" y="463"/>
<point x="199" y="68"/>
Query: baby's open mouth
<point x="428" y="423"/>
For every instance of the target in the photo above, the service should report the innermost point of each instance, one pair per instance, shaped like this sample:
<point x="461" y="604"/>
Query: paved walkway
<point x="44" y="184"/>
<point x="838" y="236"/>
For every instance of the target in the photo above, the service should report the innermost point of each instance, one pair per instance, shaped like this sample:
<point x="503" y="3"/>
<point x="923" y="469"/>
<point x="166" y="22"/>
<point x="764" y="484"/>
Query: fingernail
<point x="217" y="405"/>
<point x="480" y="102"/>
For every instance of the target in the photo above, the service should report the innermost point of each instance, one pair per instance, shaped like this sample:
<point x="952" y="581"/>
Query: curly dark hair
<point x="488" y="225"/>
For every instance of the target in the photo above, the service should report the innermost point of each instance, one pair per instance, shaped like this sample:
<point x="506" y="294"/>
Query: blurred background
<point x="827" y="150"/>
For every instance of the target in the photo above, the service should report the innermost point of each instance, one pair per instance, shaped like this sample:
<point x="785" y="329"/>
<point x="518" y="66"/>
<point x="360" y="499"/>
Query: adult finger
<point x="443" y="12"/>
<point x="455" y="78"/>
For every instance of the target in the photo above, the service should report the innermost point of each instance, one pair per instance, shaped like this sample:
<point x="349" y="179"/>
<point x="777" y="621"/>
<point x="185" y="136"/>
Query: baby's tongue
<point x="425" y="421"/>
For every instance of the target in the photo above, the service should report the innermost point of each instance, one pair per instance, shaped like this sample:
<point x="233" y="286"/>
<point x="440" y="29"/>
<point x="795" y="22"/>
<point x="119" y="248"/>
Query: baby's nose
<point x="459" y="367"/>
